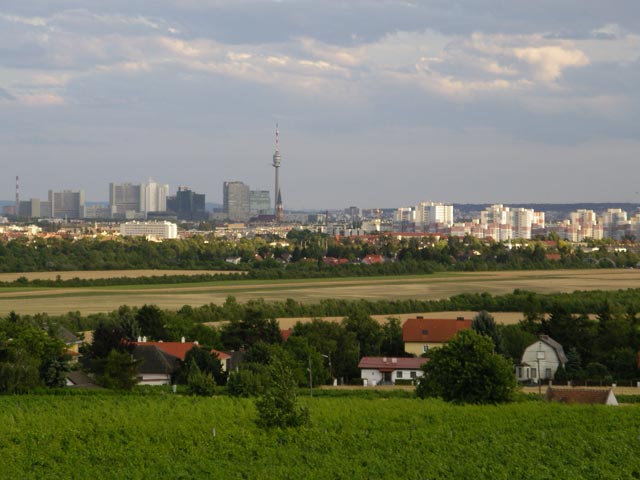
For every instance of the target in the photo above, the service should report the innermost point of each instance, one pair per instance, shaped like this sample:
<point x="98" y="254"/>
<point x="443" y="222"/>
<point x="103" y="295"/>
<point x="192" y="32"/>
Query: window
<point x="425" y="348"/>
<point x="425" y="331"/>
<point x="413" y="374"/>
<point x="519" y="372"/>
<point x="399" y="374"/>
<point x="534" y="373"/>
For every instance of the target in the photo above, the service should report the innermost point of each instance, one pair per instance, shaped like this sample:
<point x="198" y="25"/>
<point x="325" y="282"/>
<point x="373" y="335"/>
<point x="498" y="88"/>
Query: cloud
<point x="550" y="61"/>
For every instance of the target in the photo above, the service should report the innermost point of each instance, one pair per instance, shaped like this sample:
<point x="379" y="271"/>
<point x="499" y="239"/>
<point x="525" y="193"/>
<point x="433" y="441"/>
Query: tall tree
<point x="466" y="370"/>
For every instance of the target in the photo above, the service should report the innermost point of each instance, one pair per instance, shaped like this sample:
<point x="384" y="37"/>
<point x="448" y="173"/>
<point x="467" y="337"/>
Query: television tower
<point x="277" y="209"/>
<point x="17" y="195"/>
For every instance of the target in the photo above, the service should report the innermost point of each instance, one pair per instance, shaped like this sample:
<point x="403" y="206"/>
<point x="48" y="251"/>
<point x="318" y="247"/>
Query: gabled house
<point x="386" y="370"/>
<point x="541" y="360"/>
<point x="160" y="360"/>
<point x="593" y="396"/>
<point x="421" y="334"/>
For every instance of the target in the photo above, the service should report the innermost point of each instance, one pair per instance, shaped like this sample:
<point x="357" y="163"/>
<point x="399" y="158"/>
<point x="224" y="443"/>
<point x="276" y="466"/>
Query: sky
<point x="379" y="102"/>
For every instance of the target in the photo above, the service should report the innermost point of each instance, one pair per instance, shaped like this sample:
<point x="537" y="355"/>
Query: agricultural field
<point x="30" y="300"/>
<point x="92" y="275"/>
<point x="167" y="436"/>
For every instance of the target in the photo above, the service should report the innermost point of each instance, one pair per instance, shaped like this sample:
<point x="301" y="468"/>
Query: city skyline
<point x="380" y="103"/>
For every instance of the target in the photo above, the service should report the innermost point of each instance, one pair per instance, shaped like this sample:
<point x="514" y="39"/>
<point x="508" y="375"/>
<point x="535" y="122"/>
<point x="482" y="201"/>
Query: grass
<point x="167" y="436"/>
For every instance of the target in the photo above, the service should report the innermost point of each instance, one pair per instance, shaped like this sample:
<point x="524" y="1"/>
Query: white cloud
<point x="550" y="61"/>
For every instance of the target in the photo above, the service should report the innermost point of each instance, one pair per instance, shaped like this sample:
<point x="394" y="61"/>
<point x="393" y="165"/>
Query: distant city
<point x="148" y="209"/>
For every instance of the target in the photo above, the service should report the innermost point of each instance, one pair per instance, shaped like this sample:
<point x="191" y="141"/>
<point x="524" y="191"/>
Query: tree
<point x="253" y="328"/>
<point x="466" y="370"/>
<point x="484" y="324"/>
<point x="368" y="332"/>
<point x="514" y="341"/>
<point x="392" y="343"/>
<point x="278" y="407"/>
<point x="152" y="322"/>
<point x="120" y="371"/>
<point x="206" y="363"/>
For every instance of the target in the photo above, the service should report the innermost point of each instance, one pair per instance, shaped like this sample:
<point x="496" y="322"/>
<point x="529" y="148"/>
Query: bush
<point x="246" y="383"/>
<point x="405" y="381"/>
<point x="200" y="383"/>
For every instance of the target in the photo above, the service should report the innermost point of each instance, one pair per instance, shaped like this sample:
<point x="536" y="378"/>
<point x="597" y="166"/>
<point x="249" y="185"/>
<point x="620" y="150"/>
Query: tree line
<point x="302" y="254"/>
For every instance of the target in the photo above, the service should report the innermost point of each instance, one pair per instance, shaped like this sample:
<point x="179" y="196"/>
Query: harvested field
<point x="103" y="299"/>
<point x="93" y="275"/>
<point x="505" y="318"/>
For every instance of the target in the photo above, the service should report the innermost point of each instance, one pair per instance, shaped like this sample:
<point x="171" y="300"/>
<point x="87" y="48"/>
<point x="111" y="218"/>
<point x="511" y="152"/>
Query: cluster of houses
<point x="539" y="363"/>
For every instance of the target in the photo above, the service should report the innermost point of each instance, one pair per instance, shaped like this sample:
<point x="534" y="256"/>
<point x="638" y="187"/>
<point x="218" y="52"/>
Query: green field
<point x="86" y="300"/>
<point x="129" y="436"/>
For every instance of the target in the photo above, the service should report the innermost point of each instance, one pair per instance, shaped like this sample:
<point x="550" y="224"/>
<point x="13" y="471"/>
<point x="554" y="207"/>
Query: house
<point x="160" y="360"/>
<point x="386" y="370"/>
<point x="420" y="334"/>
<point x="156" y="366"/>
<point x="594" y="396"/>
<point x="372" y="259"/>
<point x="541" y="360"/>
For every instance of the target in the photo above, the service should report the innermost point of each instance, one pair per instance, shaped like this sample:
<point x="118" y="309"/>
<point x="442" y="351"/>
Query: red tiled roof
<point x="578" y="395"/>
<point x="177" y="349"/>
<point x="389" y="364"/>
<point x="432" y="329"/>
<point x="285" y="334"/>
<point x="221" y="355"/>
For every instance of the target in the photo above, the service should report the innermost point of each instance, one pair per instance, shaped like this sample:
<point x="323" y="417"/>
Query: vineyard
<point x="165" y="436"/>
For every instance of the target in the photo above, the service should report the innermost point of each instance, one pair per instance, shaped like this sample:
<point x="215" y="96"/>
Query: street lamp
<point x="330" y="369"/>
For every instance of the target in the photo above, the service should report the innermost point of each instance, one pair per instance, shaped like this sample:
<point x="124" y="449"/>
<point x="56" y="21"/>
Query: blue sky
<point x="379" y="102"/>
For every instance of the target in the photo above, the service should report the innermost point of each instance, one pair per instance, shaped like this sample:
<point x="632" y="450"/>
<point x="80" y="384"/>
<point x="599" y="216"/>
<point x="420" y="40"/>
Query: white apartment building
<point x="153" y="197"/>
<point x="160" y="230"/>
<point x="612" y="220"/>
<point x="583" y="217"/>
<point x="404" y="215"/>
<point x="430" y="213"/>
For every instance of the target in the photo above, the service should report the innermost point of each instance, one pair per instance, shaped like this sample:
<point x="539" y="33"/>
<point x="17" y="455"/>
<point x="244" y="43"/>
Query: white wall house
<point x="386" y="370"/>
<point x="541" y="360"/>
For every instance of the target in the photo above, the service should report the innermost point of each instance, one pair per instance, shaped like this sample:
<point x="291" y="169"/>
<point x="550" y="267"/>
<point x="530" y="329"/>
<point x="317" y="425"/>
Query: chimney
<point x="144" y="339"/>
<point x="394" y="360"/>
<point x="182" y="340"/>
<point x="384" y="359"/>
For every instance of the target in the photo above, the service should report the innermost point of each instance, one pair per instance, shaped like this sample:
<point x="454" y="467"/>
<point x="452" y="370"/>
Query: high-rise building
<point x="124" y="199"/>
<point x="67" y="204"/>
<point x="153" y="197"/>
<point x="432" y="213"/>
<point x="235" y="201"/>
<point x="259" y="203"/>
<point x="188" y="205"/>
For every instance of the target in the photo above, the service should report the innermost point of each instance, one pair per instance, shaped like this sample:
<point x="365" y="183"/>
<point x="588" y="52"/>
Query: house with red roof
<point x="386" y="370"/>
<point x="160" y="360"/>
<point x="421" y="334"/>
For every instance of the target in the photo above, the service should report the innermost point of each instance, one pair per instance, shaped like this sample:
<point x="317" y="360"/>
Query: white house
<point x="540" y="360"/>
<point x="386" y="370"/>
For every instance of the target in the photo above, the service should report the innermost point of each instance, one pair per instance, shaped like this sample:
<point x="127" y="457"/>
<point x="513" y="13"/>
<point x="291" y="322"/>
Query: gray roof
<point x="556" y="346"/>
<point x="154" y="360"/>
<point x="81" y="380"/>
